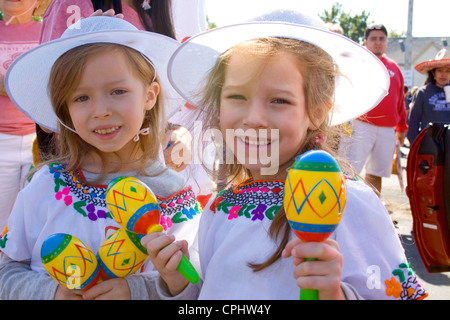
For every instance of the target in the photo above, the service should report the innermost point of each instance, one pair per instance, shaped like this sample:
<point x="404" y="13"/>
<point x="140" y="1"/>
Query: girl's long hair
<point x="319" y="73"/>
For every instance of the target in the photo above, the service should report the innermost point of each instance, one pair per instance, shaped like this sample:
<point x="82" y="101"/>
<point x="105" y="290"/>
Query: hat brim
<point x="27" y="78"/>
<point x="426" y="66"/>
<point x="364" y="84"/>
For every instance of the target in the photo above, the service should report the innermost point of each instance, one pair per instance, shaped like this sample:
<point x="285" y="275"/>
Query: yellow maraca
<point x="121" y="254"/>
<point x="134" y="206"/>
<point x="69" y="261"/>
<point x="314" y="199"/>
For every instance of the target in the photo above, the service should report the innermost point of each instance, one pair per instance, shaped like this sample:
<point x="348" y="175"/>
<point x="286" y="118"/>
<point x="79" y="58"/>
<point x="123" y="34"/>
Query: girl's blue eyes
<point x="81" y="99"/>
<point x="280" y="101"/>
<point x="119" y="92"/>
<point x="236" y="97"/>
<point x="86" y="98"/>
<point x="275" y="101"/>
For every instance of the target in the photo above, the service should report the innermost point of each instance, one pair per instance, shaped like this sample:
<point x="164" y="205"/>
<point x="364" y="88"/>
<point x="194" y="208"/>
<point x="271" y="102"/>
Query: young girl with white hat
<point x="103" y="88"/>
<point x="293" y="80"/>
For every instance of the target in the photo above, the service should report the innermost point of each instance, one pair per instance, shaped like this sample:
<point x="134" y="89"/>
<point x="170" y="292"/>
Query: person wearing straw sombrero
<point x="431" y="103"/>
<point x="103" y="88"/>
<point x="278" y="88"/>
<point x="19" y="32"/>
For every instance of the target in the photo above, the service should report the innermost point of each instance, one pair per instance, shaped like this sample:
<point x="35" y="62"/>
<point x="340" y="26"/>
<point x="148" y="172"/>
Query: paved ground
<point x="437" y="284"/>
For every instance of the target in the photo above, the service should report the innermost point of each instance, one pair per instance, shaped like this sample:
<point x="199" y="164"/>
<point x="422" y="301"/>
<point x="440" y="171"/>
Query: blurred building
<point x="422" y="49"/>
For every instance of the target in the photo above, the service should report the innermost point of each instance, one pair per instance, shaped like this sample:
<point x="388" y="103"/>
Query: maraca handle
<point x="185" y="267"/>
<point x="187" y="270"/>
<point x="309" y="294"/>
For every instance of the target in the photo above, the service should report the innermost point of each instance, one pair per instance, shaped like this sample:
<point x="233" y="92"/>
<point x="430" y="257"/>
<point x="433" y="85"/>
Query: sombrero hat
<point x="27" y="77"/>
<point x="363" y="86"/>
<point x="442" y="60"/>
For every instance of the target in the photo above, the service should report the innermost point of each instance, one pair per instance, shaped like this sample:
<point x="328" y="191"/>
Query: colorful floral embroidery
<point x="258" y="213"/>
<point x="64" y="194"/>
<point x="166" y="222"/>
<point x="234" y="212"/>
<point x="255" y="200"/>
<point x="84" y="199"/>
<point x="182" y="206"/>
<point x="407" y="287"/>
<point x="393" y="288"/>
<point x="90" y="202"/>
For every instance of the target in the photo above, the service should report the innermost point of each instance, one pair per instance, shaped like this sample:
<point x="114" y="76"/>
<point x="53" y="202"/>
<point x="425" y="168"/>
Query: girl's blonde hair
<point x="319" y="74"/>
<point x="65" y="77"/>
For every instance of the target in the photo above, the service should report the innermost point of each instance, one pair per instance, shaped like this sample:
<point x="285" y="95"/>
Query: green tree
<point x="353" y="25"/>
<point x="211" y="25"/>
<point x="396" y="34"/>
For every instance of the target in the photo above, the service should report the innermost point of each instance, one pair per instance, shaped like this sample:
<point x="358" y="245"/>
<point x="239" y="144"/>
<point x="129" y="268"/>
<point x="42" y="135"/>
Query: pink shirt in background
<point x="189" y="17"/>
<point x="61" y="14"/>
<point x="15" y="39"/>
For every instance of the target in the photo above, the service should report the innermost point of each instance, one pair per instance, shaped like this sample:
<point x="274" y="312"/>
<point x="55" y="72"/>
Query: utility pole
<point x="408" y="46"/>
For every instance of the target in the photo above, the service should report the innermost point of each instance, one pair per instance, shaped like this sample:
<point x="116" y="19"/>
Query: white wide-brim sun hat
<point x="365" y="81"/>
<point x="27" y="78"/>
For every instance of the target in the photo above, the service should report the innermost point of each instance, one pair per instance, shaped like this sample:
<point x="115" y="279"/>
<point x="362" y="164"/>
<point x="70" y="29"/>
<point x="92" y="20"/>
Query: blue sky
<point x="431" y="17"/>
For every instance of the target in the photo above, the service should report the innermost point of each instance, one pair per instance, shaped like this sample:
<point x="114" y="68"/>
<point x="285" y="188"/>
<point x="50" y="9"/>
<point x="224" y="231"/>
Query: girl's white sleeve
<point x="17" y="280"/>
<point x="374" y="259"/>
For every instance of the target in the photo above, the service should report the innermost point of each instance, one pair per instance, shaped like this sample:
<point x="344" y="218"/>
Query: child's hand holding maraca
<point x="323" y="273"/>
<point x="63" y="293"/>
<point x="134" y="206"/>
<point x="166" y="254"/>
<point x="111" y="289"/>
<point x="314" y="201"/>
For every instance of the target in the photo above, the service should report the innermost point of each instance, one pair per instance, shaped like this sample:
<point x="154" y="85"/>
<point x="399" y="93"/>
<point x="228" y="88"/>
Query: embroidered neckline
<point x="90" y="202"/>
<point x="84" y="199"/>
<point x="250" y="182"/>
<point x="255" y="200"/>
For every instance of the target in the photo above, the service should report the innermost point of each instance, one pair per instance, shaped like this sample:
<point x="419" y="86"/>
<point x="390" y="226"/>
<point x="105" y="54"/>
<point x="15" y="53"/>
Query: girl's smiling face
<point x="263" y="102"/>
<point x="107" y="107"/>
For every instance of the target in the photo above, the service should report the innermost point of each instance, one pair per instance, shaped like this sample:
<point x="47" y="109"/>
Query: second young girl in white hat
<point x="283" y="85"/>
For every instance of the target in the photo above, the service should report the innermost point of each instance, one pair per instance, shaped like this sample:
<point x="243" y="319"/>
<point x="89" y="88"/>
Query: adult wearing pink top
<point x="374" y="134"/>
<point x="18" y="33"/>
<point x="176" y="18"/>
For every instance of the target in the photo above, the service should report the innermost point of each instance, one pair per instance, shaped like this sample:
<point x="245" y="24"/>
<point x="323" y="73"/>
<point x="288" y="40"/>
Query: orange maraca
<point x="314" y="199"/>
